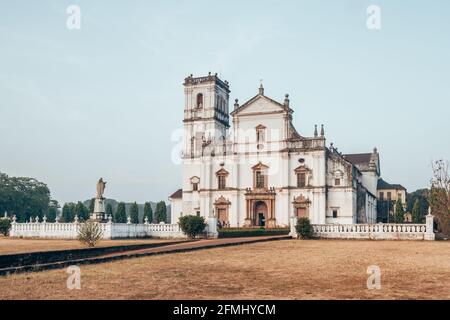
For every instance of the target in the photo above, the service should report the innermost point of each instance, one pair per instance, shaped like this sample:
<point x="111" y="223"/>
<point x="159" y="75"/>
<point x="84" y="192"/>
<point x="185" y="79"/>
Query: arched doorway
<point x="261" y="214"/>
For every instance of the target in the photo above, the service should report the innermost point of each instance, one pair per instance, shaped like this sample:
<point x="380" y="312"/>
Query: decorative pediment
<point x="195" y="179"/>
<point x="338" y="173"/>
<point x="302" y="168"/>
<point x="222" y="172"/>
<point x="222" y="201"/>
<point x="260" y="126"/>
<point x="260" y="166"/>
<point x="260" y="104"/>
<point x="301" y="200"/>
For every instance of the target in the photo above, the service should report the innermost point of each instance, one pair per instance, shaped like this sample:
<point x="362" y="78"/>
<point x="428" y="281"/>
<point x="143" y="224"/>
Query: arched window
<point x="301" y="179"/>
<point x="303" y="176"/>
<point x="199" y="100"/>
<point x="221" y="179"/>
<point x="260" y="177"/>
<point x="221" y="182"/>
<point x="260" y="133"/>
<point x="195" y="181"/>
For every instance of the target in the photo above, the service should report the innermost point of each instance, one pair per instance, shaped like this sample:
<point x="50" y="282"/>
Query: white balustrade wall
<point x="58" y="230"/>
<point x="379" y="231"/>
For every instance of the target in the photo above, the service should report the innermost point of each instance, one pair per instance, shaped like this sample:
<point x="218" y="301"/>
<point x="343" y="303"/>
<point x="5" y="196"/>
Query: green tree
<point x="52" y="211"/>
<point x="81" y="211"/>
<point x="192" y="225"/>
<point x="121" y="214"/>
<point x="5" y="226"/>
<point x="422" y="195"/>
<point x="109" y="210"/>
<point x="134" y="213"/>
<point x="399" y="213"/>
<point x="23" y="197"/>
<point x="161" y="212"/>
<point x="148" y="212"/>
<point x="416" y="214"/>
<point x="92" y="205"/>
<point x="68" y="212"/>
<point x="304" y="228"/>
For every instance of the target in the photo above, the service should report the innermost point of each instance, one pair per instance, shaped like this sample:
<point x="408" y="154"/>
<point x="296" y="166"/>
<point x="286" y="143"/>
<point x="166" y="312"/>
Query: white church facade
<point x="250" y="167"/>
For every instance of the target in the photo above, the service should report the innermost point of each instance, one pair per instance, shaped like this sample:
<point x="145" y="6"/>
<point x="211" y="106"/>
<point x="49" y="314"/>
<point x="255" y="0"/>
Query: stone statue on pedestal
<point x="100" y="188"/>
<point x="99" y="207"/>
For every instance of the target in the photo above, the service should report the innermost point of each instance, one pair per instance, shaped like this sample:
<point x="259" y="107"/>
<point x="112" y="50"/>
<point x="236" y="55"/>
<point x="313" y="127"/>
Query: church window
<point x="335" y="213"/>
<point x="389" y="196"/>
<point x="199" y="100"/>
<point x="260" y="179"/>
<point x="195" y="186"/>
<point x="381" y="196"/>
<point x="301" y="179"/>
<point x="337" y="182"/>
<point x="221" y="179"/>
<point x="260" y="135"/>
<point x="198" y="213"/>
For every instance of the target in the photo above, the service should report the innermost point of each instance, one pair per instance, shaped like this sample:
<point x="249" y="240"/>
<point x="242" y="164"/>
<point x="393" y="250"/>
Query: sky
<point x="104" y="100"/>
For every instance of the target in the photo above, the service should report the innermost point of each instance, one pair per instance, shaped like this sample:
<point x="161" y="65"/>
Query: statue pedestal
<point x="99" y="214"/>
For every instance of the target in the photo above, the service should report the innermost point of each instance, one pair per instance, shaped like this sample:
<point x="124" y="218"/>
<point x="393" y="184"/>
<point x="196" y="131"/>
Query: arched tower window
<point x="200" y="100"/>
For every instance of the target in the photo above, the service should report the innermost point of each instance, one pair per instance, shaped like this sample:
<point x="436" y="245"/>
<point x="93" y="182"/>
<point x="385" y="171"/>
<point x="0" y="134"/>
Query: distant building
<point x="387" y="195"/>
<point x="393" y="192"/>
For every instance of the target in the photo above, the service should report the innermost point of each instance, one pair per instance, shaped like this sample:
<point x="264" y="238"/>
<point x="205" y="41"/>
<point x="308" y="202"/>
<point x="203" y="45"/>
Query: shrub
<point x="5" y="225"/>
<point x="304" y="228"/>
<point x="192" y="225"/>
<point x="89" y="233"/>
<point x="251" y="232"/>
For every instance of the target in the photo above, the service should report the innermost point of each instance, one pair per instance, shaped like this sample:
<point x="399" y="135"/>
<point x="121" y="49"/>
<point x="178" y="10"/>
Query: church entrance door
<point x="260" y="213"/>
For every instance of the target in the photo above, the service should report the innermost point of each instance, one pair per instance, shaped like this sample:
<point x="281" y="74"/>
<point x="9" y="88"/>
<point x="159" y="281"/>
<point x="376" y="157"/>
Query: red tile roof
<point x="177" y="194"/>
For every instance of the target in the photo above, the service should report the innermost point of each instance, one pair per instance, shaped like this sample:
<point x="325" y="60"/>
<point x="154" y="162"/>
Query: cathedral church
<point x="259" y="171"/>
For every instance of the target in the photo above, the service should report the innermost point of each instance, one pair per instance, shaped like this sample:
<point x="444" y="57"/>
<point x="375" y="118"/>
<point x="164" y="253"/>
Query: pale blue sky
<point x="104" y="100"/>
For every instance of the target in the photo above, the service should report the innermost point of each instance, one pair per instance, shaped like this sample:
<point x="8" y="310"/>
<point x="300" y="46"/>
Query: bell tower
<point x="206" y="113"/>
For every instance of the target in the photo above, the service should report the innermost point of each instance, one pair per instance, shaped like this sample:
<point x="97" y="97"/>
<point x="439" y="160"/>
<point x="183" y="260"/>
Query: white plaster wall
<point x="176" y="206"/>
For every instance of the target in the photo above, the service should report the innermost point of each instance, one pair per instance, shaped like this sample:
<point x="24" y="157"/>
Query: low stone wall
<point x="371" y="231"/>
<point x="379" y="231"/>
<point x="58" y="230"/>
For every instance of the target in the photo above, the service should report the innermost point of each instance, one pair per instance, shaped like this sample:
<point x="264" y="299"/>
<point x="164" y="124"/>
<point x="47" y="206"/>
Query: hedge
<point x="251" y="232"/>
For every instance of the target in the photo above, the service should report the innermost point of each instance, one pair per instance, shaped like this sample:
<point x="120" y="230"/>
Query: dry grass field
<point x="9" y="246"/>
<point x="287" y="269"/>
